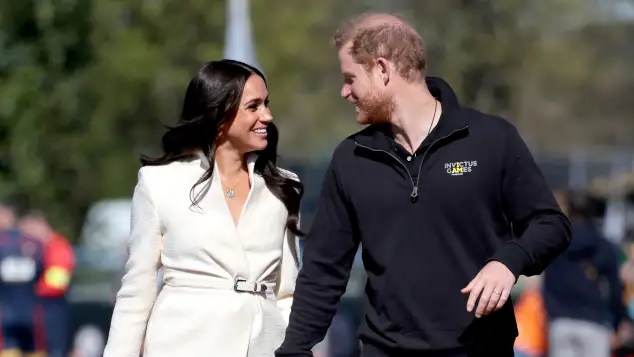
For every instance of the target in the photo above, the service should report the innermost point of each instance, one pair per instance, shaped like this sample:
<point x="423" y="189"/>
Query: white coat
<point x="202" y="253"/>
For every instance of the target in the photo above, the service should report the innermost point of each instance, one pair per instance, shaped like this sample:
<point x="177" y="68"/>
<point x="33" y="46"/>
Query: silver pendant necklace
<point x="230" y="192"/>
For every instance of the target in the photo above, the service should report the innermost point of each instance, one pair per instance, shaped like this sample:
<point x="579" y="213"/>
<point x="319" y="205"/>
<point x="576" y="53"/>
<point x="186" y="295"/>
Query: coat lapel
<point x="214" y="202"/>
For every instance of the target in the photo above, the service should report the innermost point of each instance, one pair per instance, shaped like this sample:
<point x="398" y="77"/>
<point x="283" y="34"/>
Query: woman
<point x="221" y="220"/>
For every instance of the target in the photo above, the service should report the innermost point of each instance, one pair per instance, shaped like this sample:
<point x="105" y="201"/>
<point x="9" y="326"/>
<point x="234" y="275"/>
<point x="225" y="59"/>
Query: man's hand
<point x="494" y="282"/>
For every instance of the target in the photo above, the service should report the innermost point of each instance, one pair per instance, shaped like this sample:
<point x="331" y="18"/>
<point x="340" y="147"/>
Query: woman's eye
<point x="253" y="108"/>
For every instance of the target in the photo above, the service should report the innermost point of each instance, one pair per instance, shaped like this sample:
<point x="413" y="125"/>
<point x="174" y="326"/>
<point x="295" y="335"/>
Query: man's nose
<point x="345" y="91"/>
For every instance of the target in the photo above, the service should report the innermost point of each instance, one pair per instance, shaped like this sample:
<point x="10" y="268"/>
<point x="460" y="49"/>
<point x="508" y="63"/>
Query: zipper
<point x="414" y="194"/>
<point x="415" y="190"/>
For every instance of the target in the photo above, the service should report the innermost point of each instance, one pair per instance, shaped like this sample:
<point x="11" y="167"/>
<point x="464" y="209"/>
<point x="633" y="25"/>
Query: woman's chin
<point x="257" y="145"/>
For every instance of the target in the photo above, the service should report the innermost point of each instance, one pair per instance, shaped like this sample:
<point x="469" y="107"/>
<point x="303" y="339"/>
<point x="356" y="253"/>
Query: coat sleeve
<point x="289" y="266"/>
<point x="541" y="230"/>
<point x="138" y="285"/>
<point x="288" y="274"/>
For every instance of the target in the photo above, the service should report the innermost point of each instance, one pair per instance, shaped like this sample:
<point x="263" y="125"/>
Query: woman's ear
<point x="220" y="131"/>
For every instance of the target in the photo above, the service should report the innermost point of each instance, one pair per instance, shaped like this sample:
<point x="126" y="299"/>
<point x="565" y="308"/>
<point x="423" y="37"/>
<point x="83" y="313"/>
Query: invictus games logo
<point x="460" y="168"/>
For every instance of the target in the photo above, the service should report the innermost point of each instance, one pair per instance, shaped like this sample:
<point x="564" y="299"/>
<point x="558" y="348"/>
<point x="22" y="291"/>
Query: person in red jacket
<point x="59" y="262"/>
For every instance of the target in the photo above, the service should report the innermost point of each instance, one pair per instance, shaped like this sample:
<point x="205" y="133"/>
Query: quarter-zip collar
<point x="377" y="138"/>
<point x="427" y="147"/>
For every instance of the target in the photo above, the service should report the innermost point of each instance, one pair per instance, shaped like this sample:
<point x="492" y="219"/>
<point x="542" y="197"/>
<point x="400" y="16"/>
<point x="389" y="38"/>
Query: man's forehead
<point x="346" y="62"/>
<point x="344" y="52"/>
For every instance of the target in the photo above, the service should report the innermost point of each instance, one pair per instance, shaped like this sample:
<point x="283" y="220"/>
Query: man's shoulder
<point x="486" y="122"/>
<point x="349" y="144"/>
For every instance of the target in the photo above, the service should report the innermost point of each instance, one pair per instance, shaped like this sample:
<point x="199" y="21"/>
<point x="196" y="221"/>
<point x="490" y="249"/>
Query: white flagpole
<point x="239" y="43"/>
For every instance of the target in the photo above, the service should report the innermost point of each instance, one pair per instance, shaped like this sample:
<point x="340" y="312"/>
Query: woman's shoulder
<point x="165" y="168"/>
<point x="168" y="172"/>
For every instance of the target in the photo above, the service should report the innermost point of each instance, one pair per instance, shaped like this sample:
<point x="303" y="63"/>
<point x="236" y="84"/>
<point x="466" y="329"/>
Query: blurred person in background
<point x="627" y="271"/>
<point x="342" y="333"/>
<point x="88" y="342"/>
<point x="7" y="216"/>
<point x="59" y="261"/>
<point x="21" y="266"/>
<point x="532" y="322"/>
<point x="582" y="290"/>
<point x="625" y="337"/>
<point x="447" y="201"/>
<point x="220" y="218"/>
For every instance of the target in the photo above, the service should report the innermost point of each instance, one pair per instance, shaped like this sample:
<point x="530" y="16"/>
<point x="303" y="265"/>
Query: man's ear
<point x="384" y="69"/>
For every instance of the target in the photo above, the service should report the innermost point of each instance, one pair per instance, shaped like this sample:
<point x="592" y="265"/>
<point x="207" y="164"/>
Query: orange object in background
<point x="530" y="314"/>
<point x="59" y="262"/>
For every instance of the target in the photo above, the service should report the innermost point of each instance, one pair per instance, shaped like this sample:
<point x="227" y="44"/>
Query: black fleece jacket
<point x="474" y="194"/>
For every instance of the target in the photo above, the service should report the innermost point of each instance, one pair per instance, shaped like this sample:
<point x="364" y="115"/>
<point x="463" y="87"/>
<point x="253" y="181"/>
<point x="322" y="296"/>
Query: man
<point x="51" y="288"/>
<point x="447" y="202"/>
<point x="583" y="292"/>
<point x="21" y="265"/>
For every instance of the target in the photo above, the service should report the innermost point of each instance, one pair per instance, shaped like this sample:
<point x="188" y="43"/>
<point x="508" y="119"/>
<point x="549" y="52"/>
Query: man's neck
<point x="416" y="114"/>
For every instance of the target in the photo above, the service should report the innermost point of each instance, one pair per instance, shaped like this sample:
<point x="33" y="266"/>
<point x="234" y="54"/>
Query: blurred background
<point x="86" y="87"/>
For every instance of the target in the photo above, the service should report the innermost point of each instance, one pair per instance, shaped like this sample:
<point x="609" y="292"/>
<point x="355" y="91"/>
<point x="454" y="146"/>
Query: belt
<point x="238" y="285"/>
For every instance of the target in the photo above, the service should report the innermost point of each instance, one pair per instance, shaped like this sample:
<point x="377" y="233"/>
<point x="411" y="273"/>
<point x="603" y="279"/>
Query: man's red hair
<point x="375" y="35"/>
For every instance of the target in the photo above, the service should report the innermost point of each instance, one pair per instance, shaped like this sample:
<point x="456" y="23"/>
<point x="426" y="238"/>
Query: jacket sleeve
<point x="541" y="230"/>
<point x="288" y="274"/>
<point x="59" y="261"/>
<point x="329" y="250"/>
<point x="138" y="285"/>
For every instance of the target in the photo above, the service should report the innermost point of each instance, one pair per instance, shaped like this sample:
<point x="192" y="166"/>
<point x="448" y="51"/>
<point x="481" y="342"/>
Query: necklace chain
<point x="433" y="118"/>
<point x="230" y="192"/>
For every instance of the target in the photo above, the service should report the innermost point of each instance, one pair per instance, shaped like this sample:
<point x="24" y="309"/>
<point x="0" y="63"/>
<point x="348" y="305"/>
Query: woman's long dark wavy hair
<point x="212" y="100"/>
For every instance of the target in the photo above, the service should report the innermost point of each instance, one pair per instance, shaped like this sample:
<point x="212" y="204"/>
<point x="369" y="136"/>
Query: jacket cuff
<point x="513" y="257"/>
<point x="279" y="353"/>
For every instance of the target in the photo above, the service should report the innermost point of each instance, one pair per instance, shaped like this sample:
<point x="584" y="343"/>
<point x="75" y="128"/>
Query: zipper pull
<point x="414" y="194"/>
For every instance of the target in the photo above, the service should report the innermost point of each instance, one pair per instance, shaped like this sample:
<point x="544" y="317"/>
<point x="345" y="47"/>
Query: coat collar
<point x="251" y="159"/>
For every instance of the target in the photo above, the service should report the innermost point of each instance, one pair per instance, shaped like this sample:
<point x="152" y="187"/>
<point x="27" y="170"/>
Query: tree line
<point x="86" y="86"/>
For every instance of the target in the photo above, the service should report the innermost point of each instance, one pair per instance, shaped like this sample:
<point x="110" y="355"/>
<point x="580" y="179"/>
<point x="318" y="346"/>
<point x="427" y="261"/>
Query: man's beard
<point x="375" y="108"/>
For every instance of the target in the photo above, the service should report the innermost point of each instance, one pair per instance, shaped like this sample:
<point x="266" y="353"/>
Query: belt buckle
<point x="235" y="285"/>
<point x="254" y="290"/>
